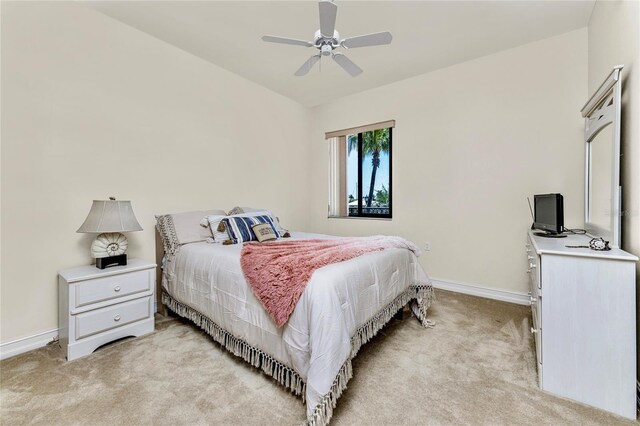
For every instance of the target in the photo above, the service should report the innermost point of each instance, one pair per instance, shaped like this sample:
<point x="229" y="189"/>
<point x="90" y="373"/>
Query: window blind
<point x="337" y="177"/>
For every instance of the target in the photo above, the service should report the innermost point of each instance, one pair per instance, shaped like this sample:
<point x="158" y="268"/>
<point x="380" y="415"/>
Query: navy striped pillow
<point x="239" y="227"/>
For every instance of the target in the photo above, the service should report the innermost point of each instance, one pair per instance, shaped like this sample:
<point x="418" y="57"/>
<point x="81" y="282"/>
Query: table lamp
<point x="109" y="218"/>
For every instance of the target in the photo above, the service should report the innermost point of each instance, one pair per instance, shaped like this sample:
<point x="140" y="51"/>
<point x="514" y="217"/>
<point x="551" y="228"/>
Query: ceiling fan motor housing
<point x="326" y="44"/>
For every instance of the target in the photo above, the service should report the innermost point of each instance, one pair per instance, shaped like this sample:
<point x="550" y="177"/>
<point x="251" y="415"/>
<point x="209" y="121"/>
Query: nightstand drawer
<point x="101" y="289"/>
<point x="100" y="320"/>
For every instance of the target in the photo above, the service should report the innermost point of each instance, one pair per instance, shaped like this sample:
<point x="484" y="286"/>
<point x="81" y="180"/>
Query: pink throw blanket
<point x="278" y="272"/>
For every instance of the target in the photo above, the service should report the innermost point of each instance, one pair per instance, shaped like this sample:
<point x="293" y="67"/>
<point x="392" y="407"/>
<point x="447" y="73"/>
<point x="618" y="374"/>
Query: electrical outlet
<point x="427" y="246"/>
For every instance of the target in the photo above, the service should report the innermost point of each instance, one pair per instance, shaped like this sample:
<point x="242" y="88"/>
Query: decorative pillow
<point x="264" y="232"/>
<point x="276" y="220"/>
<point x="239" y="227"/>
<point x="182" y="228"/>
<point x="218" y="227"/>
<point x="214" y="222"/>
<point x="236" y="210"/>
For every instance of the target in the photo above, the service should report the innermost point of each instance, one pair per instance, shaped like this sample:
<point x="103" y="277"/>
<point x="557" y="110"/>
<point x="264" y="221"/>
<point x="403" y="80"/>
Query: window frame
<point x="338" y="202"/>
<point x="361" y="214"/>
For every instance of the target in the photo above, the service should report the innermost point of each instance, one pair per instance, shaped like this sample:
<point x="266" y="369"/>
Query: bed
<point x="342" y="307"/>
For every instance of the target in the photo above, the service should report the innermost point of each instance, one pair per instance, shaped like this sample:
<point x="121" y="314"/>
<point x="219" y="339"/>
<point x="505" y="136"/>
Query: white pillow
<point x="182" y="228"/>
<point x="213" y="221"/>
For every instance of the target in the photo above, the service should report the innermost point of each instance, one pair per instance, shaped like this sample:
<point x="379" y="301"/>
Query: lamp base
<point x="105" y="262"/>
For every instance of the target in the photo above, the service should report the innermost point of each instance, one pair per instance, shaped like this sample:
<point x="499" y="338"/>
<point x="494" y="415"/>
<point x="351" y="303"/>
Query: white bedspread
<point x="316" y="341"/>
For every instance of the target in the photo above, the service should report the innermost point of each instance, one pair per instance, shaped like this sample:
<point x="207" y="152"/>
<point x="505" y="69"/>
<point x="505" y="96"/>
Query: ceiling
<point x="427" y="35"/>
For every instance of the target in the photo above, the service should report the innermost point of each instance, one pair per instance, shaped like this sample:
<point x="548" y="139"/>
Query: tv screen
<point x="548" y="213"/>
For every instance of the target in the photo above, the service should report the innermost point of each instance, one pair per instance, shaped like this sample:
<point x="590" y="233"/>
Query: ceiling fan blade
<point x="286" y="40"/>
<point x="347" y="64"/>
<point x="306" y="67"/>
<point x="367" y="40"/>
<point x="328" y="12"/>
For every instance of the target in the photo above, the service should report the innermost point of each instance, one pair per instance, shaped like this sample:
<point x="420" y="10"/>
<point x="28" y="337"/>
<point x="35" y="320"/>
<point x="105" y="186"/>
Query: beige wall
<point x="93" y="108"/>
<point x="614" y="39"/>
<point x="471" y="143"/>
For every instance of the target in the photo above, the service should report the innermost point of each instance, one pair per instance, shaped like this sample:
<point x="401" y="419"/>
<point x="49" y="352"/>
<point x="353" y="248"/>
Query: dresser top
<point x="544" y="245"/>
<point x="89" y="272"/>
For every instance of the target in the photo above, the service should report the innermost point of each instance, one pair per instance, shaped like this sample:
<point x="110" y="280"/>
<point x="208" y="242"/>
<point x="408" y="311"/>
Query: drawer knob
<point x="533" y="300"/>
<point x="116" y="288"/>
<point x="533" y="330"/>
<point x="116" y="318"/>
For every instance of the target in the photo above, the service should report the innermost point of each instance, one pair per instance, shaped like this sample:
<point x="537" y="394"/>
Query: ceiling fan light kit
<point x="326" y="44"/>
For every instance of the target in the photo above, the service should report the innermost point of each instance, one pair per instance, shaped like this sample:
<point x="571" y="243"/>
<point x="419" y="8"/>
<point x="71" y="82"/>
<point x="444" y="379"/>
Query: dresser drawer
<point x="534" y="270"/>
<point x="104" y="319"/>
<point x="537" y="333"/>
<point x="535" y="293"/>
<point x="536" y="309"/>
<point x="536" y="302"/>
<point x="111" y="287"/>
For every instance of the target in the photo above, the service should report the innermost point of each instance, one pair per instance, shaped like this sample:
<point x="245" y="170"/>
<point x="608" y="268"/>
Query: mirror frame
<point x="601" y="110"/>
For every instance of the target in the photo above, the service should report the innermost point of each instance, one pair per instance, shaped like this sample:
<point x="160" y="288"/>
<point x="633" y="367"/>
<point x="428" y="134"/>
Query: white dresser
<point x="98" y="306"/>
<point x="583" y="305"/>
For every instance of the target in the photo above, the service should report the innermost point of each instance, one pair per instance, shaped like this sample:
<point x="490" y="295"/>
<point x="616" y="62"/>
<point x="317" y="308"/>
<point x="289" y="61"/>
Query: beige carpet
<point x="476" y="366"/>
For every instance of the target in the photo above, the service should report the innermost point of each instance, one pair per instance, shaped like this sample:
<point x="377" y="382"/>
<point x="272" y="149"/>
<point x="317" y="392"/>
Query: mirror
<point x="602" y="165"/>
<point x="601" y="156"/>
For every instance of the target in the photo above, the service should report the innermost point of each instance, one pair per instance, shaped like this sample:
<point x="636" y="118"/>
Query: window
<point x="360" y="171"/>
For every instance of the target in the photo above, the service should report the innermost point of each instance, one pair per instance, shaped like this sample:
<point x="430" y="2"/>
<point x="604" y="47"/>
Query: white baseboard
<point x="488" y="293"/>
<point x="26" y="344"/>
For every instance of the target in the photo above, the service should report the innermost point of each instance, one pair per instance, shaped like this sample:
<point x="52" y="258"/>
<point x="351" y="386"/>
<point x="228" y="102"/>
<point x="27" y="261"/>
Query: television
<point x="548" y="214"/>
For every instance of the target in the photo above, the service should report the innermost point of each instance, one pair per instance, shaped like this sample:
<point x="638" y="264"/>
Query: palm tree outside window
<point x="369" y="173"/>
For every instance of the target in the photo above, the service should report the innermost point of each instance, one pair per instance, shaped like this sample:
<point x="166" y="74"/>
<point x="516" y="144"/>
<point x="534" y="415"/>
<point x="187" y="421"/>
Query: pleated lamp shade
<point x="110" y="216"/>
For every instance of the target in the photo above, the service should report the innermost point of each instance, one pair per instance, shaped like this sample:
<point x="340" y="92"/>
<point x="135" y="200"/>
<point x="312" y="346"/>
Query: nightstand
<point x="98" y="306"/>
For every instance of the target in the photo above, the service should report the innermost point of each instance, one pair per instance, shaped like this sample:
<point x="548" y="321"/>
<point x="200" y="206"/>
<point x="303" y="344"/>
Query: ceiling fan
<point x="327" y="39"/>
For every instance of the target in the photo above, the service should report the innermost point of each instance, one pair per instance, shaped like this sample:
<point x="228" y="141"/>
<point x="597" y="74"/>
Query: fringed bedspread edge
<point x="289" y="378"/>
<point x="283" y="374"/>
<point x="423" y="295"/>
